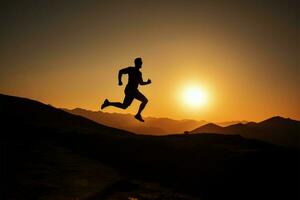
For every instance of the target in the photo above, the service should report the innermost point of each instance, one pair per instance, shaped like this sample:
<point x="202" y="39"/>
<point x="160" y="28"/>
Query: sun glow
<point x="194" y="96"/>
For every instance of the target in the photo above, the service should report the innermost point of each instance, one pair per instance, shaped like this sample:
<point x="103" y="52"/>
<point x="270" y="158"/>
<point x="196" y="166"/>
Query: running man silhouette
<point x="131" y="90"/>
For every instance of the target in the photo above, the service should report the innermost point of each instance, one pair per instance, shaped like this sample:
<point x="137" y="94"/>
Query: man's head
<point x="138" y="62"/>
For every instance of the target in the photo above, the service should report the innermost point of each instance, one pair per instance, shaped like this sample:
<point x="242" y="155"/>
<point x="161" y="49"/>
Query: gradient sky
<point x="68" y="53"/>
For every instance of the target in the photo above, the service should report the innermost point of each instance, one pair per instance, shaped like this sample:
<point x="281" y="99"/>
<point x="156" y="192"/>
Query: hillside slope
<point x="206" y="166"/>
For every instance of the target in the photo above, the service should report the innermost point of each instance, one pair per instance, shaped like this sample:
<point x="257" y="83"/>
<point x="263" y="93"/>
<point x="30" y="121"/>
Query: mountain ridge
<point x="277" y="130"/>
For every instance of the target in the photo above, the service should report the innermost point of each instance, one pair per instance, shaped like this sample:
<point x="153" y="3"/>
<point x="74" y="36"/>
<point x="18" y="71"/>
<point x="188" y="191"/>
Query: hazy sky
<point x="68" y="53"/>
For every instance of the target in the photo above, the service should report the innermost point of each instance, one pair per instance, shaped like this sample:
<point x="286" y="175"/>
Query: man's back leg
<point x="126" y="102"/>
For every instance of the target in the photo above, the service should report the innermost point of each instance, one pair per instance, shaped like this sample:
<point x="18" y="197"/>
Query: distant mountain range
<point x="47" y="153"/>
<point x="151" y="126"/>
<point x="276" y="130"/>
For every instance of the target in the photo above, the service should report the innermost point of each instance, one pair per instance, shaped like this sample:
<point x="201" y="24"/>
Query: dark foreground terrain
<point x="47" y="153"/>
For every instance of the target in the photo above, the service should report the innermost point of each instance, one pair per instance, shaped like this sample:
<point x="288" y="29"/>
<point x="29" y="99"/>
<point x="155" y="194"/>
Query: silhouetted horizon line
<point x="152" y="117"/>
<point x="243" y="121"/>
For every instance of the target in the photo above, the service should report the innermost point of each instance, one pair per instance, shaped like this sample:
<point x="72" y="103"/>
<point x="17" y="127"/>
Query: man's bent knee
<point x="145" y="101"/>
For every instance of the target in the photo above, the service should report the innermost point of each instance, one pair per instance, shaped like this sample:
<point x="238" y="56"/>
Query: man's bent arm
<point x="121" y="72"/>
<point x="145" y="83"/>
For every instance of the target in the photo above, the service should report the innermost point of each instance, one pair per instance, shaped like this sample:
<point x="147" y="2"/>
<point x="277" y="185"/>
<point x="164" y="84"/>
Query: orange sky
<point x="68" y="55"/>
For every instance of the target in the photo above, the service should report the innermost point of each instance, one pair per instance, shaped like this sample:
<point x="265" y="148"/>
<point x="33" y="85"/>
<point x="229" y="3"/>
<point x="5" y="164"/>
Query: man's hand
<point x="120" y="83"/>
<point x="149" y="81"/>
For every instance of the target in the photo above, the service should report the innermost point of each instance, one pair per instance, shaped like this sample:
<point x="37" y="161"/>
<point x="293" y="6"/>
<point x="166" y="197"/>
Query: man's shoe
<point x="105" y="104"/>
<point x="139" y="117"/>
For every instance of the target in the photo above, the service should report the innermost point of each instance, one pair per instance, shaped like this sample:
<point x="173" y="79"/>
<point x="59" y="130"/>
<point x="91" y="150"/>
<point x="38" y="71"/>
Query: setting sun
<point x="194" y="96"/>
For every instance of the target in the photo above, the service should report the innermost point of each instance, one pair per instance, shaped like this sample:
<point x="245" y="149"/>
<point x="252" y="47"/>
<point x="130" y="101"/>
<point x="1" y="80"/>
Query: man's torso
<point x="134" y="77"/>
